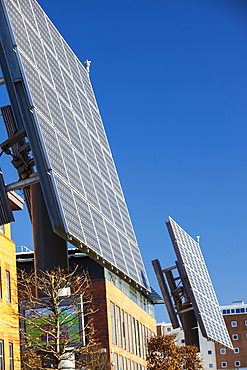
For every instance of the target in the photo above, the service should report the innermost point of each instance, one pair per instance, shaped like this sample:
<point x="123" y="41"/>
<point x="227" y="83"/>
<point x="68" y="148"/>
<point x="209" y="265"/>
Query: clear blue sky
<point x="170" y="78"/>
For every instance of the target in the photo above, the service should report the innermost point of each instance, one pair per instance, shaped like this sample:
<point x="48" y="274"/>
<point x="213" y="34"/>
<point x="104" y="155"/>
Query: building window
<point x="169" y="329"/>
<point x="223" y="364"/>
<point x="123" y="330"/>
<point x="11" y="356"/>
<point x="210" y="352"/>
<point x="120" y="363"/>
<point x="126" y="325"/>
<point x="115" y="357"/>
<point x="131" y="344"/>
<point x="236" y="350"/>
<point x="211" y="366"/>
<point x="235" y="336"/>
<point x="113" y="323"/>
<point x="1" y="355"/>
<point x="118" y="325"/>
<point x="125" y="363"/>
<point x="222" y="351"/>
<point x="245" y="322"/>
<point x="182" y="341"/>
<point x="8" y="288"/>
<point x="237" y="363"/>
<point x="234" y="324"/>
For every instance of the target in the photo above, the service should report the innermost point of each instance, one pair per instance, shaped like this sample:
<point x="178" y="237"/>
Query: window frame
<point x="224" y="364"/>
<point x="118" y="326"/>
<point x="11" y="355"/>
<point x="234" y="335"/>
<point x="2" y="362"/>
<point x="113" y="323"/>
<point x="234" y="324"/>
<point x="222" y="351"/>
<point x="239" y="363"/>
<point x="8" y="286"/>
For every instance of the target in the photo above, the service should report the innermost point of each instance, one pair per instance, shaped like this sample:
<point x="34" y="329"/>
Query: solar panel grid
<point x="69" y="122"/>
<point x="201" y="291"/>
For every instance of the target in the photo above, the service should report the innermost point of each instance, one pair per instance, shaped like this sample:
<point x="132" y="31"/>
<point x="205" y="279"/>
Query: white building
<point x="207" y="347"/>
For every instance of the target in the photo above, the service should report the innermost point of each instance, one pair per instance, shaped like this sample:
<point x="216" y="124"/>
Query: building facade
<point x="9" y="320"/>
<point x="207" y="347"/>
<point x="213" y="355"/>
<point x="125" y="317"/>
<point x="235" y="316"/>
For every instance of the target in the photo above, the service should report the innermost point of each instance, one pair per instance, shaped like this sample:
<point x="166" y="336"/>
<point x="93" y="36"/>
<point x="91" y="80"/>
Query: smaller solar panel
<point x="199" y="287"/>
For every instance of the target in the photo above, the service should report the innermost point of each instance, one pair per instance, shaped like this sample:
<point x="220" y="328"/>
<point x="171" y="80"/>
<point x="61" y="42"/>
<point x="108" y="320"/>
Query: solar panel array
<point x="74" y="141"/>
<point x="200" y="289"/>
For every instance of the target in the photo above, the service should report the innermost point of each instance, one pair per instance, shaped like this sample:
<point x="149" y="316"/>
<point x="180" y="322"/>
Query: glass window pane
<point x="113" y="323"/>
<point x="11" y="357"/>
<point x="8" y="289"/>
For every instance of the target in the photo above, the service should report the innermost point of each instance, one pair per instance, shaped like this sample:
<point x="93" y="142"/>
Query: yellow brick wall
<point x="116" y="296"/>
<point x="9" y="323"/>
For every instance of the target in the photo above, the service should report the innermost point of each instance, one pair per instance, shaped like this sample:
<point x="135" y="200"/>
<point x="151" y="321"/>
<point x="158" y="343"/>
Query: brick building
<point x="125" y="316"/>
<point x="235" y="316"/>
<point x="213" y="355"/>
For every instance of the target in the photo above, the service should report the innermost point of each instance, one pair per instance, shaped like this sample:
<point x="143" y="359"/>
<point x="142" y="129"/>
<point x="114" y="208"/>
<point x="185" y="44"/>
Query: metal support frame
<point x="177" y="302"/>
<point x="50" y="250"/>
<point x="165" y="292"/>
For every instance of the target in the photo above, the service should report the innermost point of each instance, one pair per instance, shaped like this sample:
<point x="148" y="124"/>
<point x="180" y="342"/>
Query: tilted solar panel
<point x="198" y="285"/>
<point x="69" y="144"/>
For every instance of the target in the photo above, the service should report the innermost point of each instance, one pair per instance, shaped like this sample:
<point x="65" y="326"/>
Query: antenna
<point x="87" y="65"/>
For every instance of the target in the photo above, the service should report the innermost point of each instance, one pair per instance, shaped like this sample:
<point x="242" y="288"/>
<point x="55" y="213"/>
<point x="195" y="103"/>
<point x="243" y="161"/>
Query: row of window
<point x="123" y="363"/>
<point x="235" y="336"/>
<point x="223" y="350"/>
<point x="128" y="333"/>
<point x="8" y="286"/>
<point x="234" y="310"/>
<point x="131" y="292"/>
<point x="236" y="363"/>
<point x="10" y="356"/>
<point x="234" y="324"/>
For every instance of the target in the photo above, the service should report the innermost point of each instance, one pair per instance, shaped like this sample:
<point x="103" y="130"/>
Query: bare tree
<point x="56" y="315"/>
<point x="164" y="354"/>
